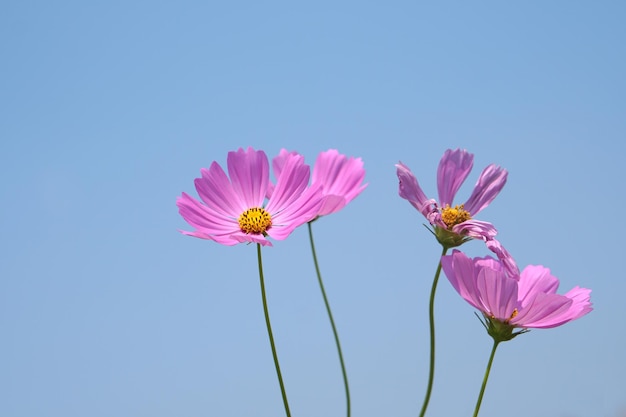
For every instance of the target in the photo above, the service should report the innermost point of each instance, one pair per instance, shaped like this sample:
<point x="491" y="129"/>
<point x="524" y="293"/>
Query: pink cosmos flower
<point x="454" y="168"/>
<point x="525" y="301"/>
<point x="340" y="177"/>
<point x="233" y="211"/>
<point x="454" y="225"/>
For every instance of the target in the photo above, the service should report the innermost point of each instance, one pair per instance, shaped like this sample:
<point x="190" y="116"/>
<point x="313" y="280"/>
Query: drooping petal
<point x="488" y="186"/>
<point x="241" y="237"/>
<point x="504" y="256"/>
<point x="341" y="178"/>
<point x="410" y="190"/>
<point x="476" y="228"/>
<point x="249" y="175"/>
<point x="434" y="217"/>
<point x="454" y="167"/>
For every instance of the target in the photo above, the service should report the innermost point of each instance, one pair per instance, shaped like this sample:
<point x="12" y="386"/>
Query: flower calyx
<point x="501" y="331"/>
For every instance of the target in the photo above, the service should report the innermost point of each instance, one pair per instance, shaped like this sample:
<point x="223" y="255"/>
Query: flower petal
<point x="278" y="162"/>
<point x="581" y="303"/>
<point x="341" y="178"/>
<point x="292" y="203"/>
<point x="536" y="279"/>
<point x="209" y="224"/>
<point x="544" y="311"/>
<point x="498" y="293"/>
<point x="241" y="237"/>
<point x="410" y="190"/>
<point x="303" y="210"/>
<point x="460" y="271"/>
<point x="293" y="180"/>
<point x="249" y="175"/>
<point x="453" y="169"/>
<point x="216" y="191"/>
<point x="488" y="186"/>
<point x="505" y="257"/>
<point x="476" y="228"/>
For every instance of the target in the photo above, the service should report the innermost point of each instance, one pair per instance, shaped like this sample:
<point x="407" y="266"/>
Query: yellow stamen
<point x="513" y="314"/>
<point x="255" y="220"/>
<point x="452" y="216"/>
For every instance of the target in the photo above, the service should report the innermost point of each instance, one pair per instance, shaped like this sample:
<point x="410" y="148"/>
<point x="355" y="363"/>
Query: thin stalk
<point x="332" y="322"/>
<point x="431" y="318"/>
<point x="269" y="333"/>
<point x="482" y="389"/>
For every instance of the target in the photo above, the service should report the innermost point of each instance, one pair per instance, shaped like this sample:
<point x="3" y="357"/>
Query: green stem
<point x="332" y="322"/>
<point x="269" y="333"/>
<point x="482" y="389"/>
<point x="431" y="318"/>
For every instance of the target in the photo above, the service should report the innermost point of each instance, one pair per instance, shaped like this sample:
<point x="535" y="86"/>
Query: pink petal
<point x="292" y="203"/>
<point x="242" y="237"/>
<point x="216" y="191"/>
<point x="544" y="311"/>
<point x="581" y="303"/>
<point x="488" y="186"/>
<point x="209" y="224"/>
<point x="453" y="169"/>
<point x="536" y="279"/>
<point x="410" y="190"/>
<point x="340" y="176"/>
<point x="249" y="175"/>
<point x="505" y="257"/>
<point x="293" y="180"/>
<point x="332" y="204"/>
<point x="497" y="292"/>
<point x="303" y="210"/>
<point x="475" y="228"/>
<point x="460" y="271"/>
<point x="278" y="162"/>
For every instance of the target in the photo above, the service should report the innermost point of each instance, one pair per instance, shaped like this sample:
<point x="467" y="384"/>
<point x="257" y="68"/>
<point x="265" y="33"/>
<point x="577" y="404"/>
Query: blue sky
<point x="108" y="110"/>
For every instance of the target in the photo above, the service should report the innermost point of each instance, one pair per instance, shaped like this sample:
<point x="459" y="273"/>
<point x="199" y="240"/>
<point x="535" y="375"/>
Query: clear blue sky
<point x="108" y="110"/>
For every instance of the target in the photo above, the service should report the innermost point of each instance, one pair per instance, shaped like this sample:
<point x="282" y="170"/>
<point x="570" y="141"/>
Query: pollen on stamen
<point x="513" y="314"/>
<point x="452" y="216"/>
<point x="255" y="220"/>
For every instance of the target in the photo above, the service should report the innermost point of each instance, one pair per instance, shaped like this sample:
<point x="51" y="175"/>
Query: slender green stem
<point x="269" y="333"/>
<point x="332" y="322"/>
<point x="431" y="319"/>
<point x="482" y="389"/>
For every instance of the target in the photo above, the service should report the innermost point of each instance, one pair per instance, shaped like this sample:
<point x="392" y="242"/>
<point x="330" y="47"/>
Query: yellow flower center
<point x="255" y="220"/>
<point x="452" y="216"/>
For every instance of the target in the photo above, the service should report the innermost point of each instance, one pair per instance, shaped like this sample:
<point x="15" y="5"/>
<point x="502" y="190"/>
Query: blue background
<point x="108" y="110"/>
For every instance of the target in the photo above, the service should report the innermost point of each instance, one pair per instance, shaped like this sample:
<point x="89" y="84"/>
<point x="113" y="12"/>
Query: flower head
<point x="340" y="178"/>
<point x="508" y="302"/>
<point x="455" y="225"/>
<point x="234" y="211"/>
<point x="454" y="167"/>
